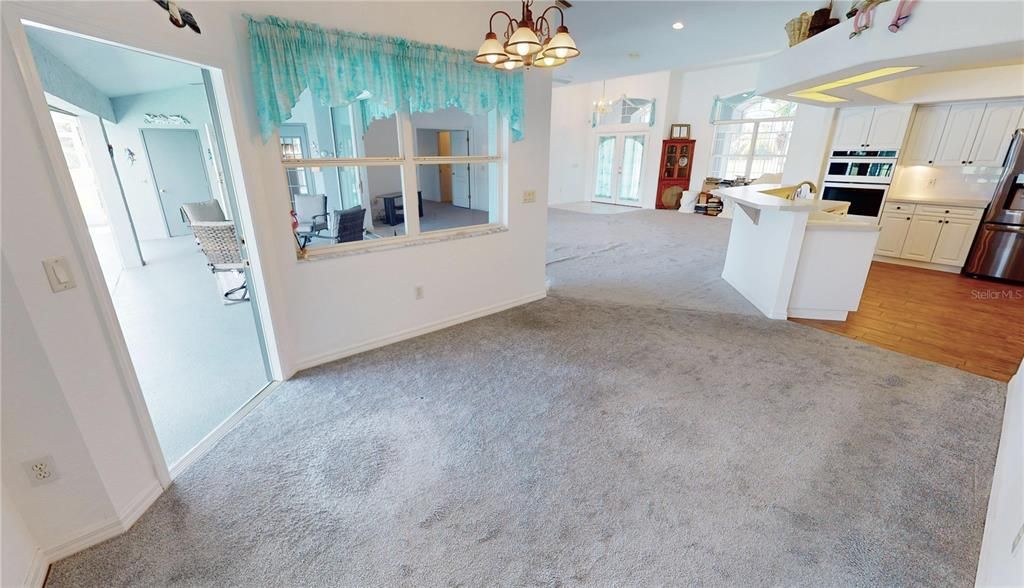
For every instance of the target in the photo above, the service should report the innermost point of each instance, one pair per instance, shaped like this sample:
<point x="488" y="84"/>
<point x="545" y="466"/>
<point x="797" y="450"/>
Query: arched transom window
<point x="752" y="136"/>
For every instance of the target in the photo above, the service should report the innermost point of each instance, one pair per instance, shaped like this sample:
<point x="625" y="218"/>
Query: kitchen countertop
<point x="753" y="197"/>
<point x="835" y="222"/>
<point x="939" y="201"/>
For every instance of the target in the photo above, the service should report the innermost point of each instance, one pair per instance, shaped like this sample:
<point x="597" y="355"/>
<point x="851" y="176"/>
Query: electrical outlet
<point x="419" y="292"/>
<point x="931" y="182"/>
<point x="529" y="196"/>
<point x="40" y="470"/>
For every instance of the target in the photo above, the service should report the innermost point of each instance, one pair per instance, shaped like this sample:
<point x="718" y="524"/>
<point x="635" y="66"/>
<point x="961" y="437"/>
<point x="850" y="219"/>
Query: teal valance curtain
<point x="385" y="74"/>
<point x="723" y="106"/>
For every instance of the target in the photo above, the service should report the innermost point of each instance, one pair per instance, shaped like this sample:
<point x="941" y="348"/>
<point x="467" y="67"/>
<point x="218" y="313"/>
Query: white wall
<point x="63" y="395"/>
<point x="460" y="278"/>
<point x="574" y="139"/>
<point x="697" y="95"/>
<point x="19" y="550"/>
<point x="137" y="179"/>
<point x="998" y="566"/>
<point x="571" y="133"/>
<point x="809" y="145"/>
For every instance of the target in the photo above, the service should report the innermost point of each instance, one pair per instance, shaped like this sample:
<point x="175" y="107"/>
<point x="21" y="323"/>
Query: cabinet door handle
<point x="930" y="162"/>
<point x="940" y="221"/>
<point x="970" y="162"/>
<point x="947" y="212"/>
<point x="963" y="162"/>
<point x="908" y="218"/>
<point x="947" y="222"/>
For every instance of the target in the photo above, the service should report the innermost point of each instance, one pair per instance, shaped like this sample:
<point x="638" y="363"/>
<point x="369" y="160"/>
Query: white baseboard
<point x="818" y="314"/>
<point x="114" y="526"/>
<point x="84" y="539"/>
<point x="410" y="333"/>
<point x="212" y="438"/>
<point x="949" y="269"/>
<point x="137" y="507"/>
<point x="37" y="570"/>
<point x="107" y="529"/>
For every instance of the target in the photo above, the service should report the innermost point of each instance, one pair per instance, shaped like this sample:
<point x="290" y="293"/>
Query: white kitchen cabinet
<point x="927" y="232"/>
<point x="888" y="126"/>
<point x="925" y="134"/>
<point x="994" y="133"/>
<point x="959" y="132"/>
<point x="893" y="234"/>
<point x="852" y="128"/>
<point x="954" y="242"/>
<point x="879" y="127"/>
<point x="922" y="238"/>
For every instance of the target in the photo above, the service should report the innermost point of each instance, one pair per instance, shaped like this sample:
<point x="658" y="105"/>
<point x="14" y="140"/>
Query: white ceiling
<point x="715" y="33"/>
<point x="112" y="70"/>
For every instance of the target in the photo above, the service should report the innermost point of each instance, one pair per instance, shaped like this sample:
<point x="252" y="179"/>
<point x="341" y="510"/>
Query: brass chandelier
<point x="523" y="45"/>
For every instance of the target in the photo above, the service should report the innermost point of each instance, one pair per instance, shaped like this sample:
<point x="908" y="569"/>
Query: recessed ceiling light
<point x="677" y="25"/>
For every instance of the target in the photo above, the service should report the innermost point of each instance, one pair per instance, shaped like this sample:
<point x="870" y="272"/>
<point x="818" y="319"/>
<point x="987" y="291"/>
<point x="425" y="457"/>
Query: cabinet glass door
<point x="619" y="168"/>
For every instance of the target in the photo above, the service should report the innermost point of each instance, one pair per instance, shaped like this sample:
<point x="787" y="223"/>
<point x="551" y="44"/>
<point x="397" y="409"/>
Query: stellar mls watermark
<point x="997" y="294"/>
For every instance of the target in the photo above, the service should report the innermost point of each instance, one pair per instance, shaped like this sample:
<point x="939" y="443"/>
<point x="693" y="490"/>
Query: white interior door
<point x="619" y="168"/>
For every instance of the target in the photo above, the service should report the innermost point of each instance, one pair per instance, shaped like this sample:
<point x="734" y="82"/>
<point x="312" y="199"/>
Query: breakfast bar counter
<point x="796" y="257"/>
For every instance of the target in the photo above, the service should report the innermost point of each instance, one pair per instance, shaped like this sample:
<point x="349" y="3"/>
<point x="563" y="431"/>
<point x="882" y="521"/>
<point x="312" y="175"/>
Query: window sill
<point x="390" y="243"/>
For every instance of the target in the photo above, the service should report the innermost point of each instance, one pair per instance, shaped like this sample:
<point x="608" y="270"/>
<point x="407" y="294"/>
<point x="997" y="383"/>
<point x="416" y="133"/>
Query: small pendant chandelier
<point x="603" y="104"/>
<point x="522" y="45"/>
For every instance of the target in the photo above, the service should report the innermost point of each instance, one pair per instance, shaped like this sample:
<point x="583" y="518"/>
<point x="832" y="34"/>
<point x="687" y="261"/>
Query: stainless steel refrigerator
<point x="998" y="250"/>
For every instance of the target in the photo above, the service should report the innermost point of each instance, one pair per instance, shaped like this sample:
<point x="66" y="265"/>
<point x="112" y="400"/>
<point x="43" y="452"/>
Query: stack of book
<point x="708" y="204"/>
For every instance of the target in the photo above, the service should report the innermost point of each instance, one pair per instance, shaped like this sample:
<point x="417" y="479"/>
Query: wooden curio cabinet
<point x="674" y="172"/>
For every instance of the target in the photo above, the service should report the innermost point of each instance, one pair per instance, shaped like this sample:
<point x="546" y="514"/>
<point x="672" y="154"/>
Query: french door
<point x="619" y="168"/>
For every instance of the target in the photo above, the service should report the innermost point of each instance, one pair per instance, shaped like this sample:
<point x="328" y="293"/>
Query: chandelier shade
<point x="543" y="60"/>
<point x="491" y="51"/>
<point x="523" y="41"/>
<point x="512" y="62"/>
<point x="562" y="45"/>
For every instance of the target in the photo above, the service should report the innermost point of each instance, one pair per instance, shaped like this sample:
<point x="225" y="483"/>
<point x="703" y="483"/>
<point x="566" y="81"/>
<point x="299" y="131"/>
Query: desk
<point x="393" y="209"/>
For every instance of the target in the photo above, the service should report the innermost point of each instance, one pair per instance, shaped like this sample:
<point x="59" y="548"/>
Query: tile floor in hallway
<point x="198" y="360"/>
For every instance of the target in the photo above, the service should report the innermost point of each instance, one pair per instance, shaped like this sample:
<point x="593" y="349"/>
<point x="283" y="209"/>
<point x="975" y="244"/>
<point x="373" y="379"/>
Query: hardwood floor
<point x="973" y="325"/>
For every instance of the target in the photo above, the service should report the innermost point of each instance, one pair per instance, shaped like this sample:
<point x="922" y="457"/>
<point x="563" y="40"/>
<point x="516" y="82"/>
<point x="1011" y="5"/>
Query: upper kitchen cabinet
<point x="993" y="138"/>
<point x="876" y="128"/>
<point x="888" y="126"/>
<point x="958" y="134"/>
<point x="923" y="142"/>
<point x="852" y="128"/>
<point x="973" y="133"/>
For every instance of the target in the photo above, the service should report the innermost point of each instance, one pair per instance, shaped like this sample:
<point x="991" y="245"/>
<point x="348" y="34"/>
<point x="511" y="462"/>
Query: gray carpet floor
<point x="581" y="440"/>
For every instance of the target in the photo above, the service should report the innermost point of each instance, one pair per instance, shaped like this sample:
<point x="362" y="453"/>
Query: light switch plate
<point x="58" y="272"/>
<point x="529" y="196"/>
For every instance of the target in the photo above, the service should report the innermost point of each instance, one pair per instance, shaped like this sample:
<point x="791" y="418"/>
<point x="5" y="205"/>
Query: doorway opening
<point x="141" y="138"/>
